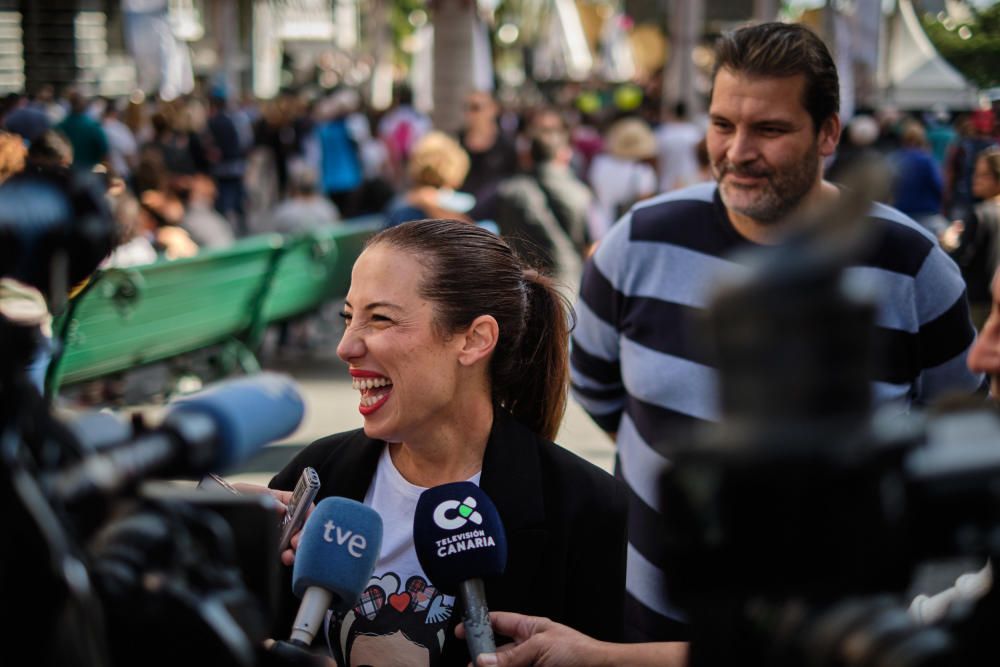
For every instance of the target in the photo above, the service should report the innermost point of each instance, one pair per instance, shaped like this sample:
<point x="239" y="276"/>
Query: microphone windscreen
<point x="248" y="413"/>
<point x="339" y="547"/>
<point x="458" y="535"/>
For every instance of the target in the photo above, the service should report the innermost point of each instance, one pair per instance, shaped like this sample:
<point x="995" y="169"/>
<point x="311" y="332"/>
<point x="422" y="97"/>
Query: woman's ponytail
<point x="536" y="395"/>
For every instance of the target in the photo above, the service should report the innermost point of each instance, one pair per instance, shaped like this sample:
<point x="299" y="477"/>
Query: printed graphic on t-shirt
<point x="393" y="625"/>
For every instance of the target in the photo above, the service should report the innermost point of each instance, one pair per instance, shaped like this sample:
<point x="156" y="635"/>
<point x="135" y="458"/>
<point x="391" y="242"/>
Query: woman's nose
<point x="351" y="345"/>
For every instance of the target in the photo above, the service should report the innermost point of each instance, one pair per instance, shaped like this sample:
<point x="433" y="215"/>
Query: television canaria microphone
<point x="337" y="552"/>
<point x="210" y="431"/>
<point x="460" y="540"/>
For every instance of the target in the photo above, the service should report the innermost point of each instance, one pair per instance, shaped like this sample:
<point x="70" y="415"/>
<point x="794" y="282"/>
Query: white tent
<point x="913" y="75"/>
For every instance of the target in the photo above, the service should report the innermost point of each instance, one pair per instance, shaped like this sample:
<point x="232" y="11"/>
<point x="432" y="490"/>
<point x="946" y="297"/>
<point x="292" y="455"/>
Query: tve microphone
<point x="246" y="413"/>
<point x="206" y="432"/>
<point x="337" y="552"/>
<point x="459" y="540"/>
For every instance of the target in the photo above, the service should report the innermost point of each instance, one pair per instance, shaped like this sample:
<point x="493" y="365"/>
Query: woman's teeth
<point x="369" y="383"/>
<point x="369" y="401"/>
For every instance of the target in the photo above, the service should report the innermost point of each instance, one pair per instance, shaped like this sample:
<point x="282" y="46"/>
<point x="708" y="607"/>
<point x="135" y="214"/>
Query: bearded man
<point x="636" y="366"/>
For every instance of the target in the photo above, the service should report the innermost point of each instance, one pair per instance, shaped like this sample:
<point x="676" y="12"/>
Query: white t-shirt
<point x="616" y="183"/>
<point x="678" y="161"/>
<point x="401" y="618"/>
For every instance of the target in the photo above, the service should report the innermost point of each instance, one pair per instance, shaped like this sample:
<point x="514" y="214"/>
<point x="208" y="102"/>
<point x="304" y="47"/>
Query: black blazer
<point x="565" y="521"/>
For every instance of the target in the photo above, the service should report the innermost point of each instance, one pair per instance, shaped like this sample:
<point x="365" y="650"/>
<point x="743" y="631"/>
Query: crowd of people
<point x="205" y="169"/>
<point x="457" y="337"/>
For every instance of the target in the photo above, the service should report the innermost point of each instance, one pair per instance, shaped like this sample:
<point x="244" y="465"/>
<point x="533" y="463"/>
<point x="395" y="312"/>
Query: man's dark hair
<point x="784" y="50"/>
<point x="78" y="102"/>
<point x="680" y="111"/>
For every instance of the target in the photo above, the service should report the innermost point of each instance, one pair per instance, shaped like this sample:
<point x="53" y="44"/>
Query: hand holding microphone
<point x="459" y="540"/>
<point x="540" y="642"/>
<point x="336" y="556"/>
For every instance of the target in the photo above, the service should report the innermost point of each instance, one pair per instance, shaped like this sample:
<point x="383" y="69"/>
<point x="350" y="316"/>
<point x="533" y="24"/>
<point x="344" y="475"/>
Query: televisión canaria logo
<point x="460" y="513"/>
<point x="452" y="515"/>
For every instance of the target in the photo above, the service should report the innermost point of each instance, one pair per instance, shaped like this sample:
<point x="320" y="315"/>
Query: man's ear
<point x="479" y="340"/>
<point x="829" y="135"/>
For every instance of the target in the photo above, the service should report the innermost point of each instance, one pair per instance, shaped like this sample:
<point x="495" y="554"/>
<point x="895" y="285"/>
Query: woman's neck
<point x="452" y="454"/>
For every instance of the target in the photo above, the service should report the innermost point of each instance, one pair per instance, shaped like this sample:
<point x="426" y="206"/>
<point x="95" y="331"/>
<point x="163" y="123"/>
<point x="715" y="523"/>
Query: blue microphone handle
<point x="478" y="631"/>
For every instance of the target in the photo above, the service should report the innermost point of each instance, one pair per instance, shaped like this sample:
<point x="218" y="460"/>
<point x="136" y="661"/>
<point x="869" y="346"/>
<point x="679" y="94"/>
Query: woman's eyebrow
<point x="377" y="304"/>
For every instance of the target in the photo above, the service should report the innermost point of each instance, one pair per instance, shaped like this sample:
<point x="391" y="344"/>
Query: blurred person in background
<point x="856" y="142"/>
<point x="376" y="189"/>
<point x="181" y="150"/>
<point x="136" y="115"/>
<point x="676" y="139"/>
<point x="13" y="155"/>
<point x="542" y="213"/>
<point x="974" y="243"/>
<point x="161" y="211"/>
<point x="917" y="185"/>
<point x="304" y="208"/>
<point x="50" y="151"/>
<point x="275" y="132"/>
<point x="24" y="118"/>
<point x="492" y="156"/>
<point x="334" y="151"/>
<point x="400" y="129"/>
<point x="438" y="165"/>
<point x="975" y="135"/>
<point x="160" y="218"/>
<point x="134" y="247"/>
<point x="151" y="172"/>
<point x="203" y="223"/>
<point x="123" y="150"/>
<point x="90" y="144"/>
<point x="940" y="135"/>
<point x="45" y="101"/>
<point x="227" y="155"/>
<point x="585" y="137"/>
<point x="621" y="175"/>
<point x="889" y="119"/>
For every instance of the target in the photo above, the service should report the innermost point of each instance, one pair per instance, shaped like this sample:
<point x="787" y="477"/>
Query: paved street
<point x="332" y="406"/>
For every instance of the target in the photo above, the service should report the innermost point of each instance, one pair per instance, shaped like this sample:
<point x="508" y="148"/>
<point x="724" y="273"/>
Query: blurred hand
<point x="169" y="208"/>
<point x="283" y="498"/>
<point x="177" y="242"/>
<point x="539" y="641"/>
<point x="952" y="235"/>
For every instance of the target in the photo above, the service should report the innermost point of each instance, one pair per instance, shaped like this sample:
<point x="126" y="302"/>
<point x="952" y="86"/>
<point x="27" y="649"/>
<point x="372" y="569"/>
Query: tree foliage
<point x="973" y="48"/>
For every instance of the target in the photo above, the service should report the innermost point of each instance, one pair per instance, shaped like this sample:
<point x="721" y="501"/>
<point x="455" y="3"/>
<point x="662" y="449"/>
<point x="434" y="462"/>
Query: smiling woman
<point x="459" y="353"/>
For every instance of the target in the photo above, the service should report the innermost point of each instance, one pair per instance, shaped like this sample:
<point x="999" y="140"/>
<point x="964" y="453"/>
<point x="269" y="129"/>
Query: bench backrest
<point x="128" y="317"/>
<point x="315" y="267"/>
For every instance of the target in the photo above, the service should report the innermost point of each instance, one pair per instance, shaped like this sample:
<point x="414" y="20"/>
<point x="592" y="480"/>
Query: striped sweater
<point x="639" y="370"/>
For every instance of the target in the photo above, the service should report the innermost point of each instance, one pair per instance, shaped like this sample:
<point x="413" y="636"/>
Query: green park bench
<point x="129" y="317"/>
<point x="314" y="268"/>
